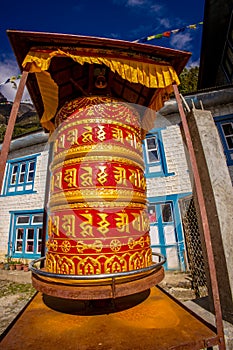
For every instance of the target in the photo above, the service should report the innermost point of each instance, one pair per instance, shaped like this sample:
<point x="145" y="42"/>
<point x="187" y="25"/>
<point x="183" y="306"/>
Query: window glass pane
<point x="40" y="233"/>
<point x="37" y="219"/>
<point x="23" y="219"/>
<point x="14" y="169"/>
<point x="30" y="176"/>
<point x="29" y="247"/>
<point x="153" y="156"/>
<point x="13" y="179"/>
<point x="19" y="234"/>
<point x="228" y="129"/>
<point x="21" y="179"/>
<point x="230" y="142"/>
<point x="152" y="213"/>
<point x="166" y="212"/>
<point x="23" y="168"/>
<point x="30" y="232"/>
<point x="31" y="166"/>
<point x="151" y="143"/>
<point x="19" y="246"/>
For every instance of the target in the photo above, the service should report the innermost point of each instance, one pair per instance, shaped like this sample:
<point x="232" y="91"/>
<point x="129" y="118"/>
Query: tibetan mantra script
<point x="98" y="221"/>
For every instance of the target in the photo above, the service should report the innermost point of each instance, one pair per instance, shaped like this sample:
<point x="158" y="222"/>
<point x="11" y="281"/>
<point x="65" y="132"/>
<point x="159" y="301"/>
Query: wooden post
<point x="10" y="126"/>
<point x="204" y="218"/>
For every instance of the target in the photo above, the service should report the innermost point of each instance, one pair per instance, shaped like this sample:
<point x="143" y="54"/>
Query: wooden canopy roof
<point x="72" y="64"/>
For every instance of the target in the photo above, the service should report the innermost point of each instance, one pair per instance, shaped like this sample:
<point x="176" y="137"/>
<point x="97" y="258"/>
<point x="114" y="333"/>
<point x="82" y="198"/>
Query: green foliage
<point x="2" y="131"/>
<point x="188" y="80"/>
<point x="26" y="122"/>
<point x="18" y="130"/>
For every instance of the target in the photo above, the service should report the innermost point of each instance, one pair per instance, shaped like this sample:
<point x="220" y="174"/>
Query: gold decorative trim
<point x="99" y="205"/>
<point x="98" y="244"/>
<point x="132" y="243"/>
<point x="89" y="265"/>
<point x="91" y="195"/>
<point x="80" y="247"/>
<point x="129" y="240"/>
<point x="86" y="159"/>
<point x="99" y="150"/>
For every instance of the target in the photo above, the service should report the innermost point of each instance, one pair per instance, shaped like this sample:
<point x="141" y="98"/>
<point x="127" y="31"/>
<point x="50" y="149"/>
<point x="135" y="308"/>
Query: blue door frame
<point x="161" y="228"/>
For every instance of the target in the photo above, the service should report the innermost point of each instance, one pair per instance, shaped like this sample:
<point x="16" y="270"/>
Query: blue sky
<point x="120" y="19"/>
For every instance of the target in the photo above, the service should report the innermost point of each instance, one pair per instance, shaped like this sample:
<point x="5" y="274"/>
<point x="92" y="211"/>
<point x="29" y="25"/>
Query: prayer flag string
<point x="167" y="34"/>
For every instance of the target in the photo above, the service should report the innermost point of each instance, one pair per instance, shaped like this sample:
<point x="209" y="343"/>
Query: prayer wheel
<point x="98" y="222"/>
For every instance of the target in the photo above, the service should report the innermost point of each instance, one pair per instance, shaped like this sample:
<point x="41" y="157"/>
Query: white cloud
<point x="136" y="2"/>
<point x="181" y="41"/>
<point x="147" y="4"/>
<point x="114" y="35"/>
<point x="165" y="22"/>
<point x="193" y="63"/>
<point x="156" y="8"/>
<point x="9" y="68"/>
<point x="150" y="8"/>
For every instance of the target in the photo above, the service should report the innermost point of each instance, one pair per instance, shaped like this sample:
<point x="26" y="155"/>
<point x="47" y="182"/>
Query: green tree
<point x="188" y="80"/>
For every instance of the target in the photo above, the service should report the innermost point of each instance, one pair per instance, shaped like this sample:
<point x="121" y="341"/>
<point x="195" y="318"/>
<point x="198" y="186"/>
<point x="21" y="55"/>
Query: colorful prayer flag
<point x="192" y="26"/>
<point x="167" y="34"/>
<point x="181" y="30"/>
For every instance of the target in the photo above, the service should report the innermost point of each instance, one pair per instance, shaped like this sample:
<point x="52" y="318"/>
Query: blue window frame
<point x="154" y="156"/>
<point x="20" y="176"/>
<point x="225" y="129"/>
<point x="26" y="234"/>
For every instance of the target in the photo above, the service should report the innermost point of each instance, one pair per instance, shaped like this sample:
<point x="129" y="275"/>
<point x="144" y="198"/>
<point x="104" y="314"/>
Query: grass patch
<point x="12" y="288"/>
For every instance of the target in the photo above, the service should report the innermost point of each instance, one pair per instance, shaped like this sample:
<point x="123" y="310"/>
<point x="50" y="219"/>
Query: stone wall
<point x="218" y="193"/>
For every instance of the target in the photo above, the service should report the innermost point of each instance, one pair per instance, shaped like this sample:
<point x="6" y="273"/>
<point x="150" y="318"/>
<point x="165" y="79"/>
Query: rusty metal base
<point x="154" y="321"/>
<point x="96" y="289"/>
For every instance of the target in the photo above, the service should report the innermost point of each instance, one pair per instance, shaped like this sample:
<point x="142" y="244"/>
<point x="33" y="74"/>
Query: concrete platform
<point x="149" y="320"/>
<point x="210" y="318"/>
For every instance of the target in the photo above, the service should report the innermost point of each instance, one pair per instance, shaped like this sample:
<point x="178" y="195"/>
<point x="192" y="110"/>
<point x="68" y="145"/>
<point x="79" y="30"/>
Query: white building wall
<point x="223" y="109"/>
<point x="219" y="103"/>
<point x="230" y="168"/>
<point x="25" y="201"/>
<point x="176" y="163"/>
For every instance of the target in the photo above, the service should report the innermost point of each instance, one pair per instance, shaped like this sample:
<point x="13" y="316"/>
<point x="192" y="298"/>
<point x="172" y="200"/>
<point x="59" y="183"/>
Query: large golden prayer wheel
<point x="98" y="242"/>
<point x="98" y="223"/>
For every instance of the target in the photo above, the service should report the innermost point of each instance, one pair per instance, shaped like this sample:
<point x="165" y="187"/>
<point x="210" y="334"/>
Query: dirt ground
<point x="14" y="296"/>
<point x="178" y="284"/>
